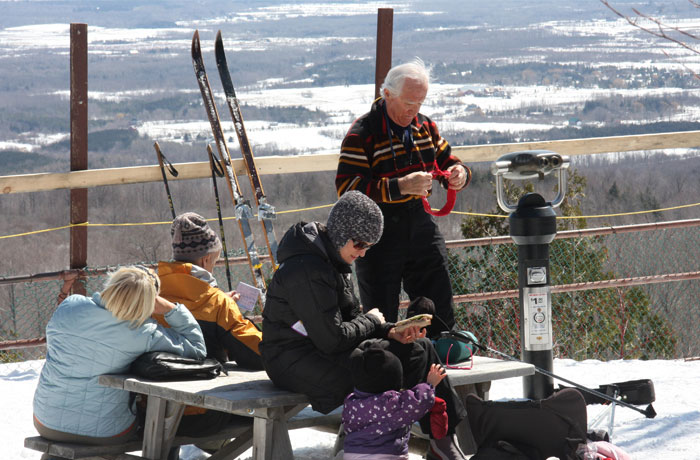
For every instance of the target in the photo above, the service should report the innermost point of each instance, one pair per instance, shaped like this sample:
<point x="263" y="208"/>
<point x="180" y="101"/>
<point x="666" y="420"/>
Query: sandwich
<point x="420" y="321"/>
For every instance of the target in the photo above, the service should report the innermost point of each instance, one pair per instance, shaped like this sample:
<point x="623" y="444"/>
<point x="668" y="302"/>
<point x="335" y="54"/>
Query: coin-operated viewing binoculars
<point x="529" y="164"/>
<point x="533" y="227"/>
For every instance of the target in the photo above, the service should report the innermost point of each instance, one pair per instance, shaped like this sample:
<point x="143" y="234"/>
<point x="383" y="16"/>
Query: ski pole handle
<point x="173" y="171"/>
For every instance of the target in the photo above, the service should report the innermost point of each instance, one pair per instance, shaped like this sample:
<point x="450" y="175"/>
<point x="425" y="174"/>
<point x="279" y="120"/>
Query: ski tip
<point x="219" y="50"/>
<point x="196" y="47"/>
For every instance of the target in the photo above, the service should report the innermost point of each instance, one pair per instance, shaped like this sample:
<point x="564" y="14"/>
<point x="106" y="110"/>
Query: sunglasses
<point x="360" y="245"/>
<point x="151" y="275"/>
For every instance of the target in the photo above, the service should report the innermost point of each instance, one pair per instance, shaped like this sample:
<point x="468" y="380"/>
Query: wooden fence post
<point x="385" y="30"/>
<point x="78" y="147"/>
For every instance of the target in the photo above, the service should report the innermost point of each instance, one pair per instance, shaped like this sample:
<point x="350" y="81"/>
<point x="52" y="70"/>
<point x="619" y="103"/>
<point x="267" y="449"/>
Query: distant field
<point x="304" y="70"/>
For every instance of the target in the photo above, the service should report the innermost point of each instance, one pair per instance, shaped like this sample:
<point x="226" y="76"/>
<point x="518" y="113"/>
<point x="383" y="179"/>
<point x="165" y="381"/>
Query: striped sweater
<point x="371" y="162"/>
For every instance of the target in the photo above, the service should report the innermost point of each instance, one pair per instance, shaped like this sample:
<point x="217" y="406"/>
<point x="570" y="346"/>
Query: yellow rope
<point x="600" y="216"/>
<point x="84" y="224"/>
<point x="130" y="224"/>
<point x="632" y="212"/>
<point x="477" y="214"/>
<point x="133" y="224"/>
<point x="306" y="209"/>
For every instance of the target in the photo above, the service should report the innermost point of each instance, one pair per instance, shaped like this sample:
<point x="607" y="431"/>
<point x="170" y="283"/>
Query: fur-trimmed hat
<point x="192" y="237"/>
<point x="375" y="370"/>
<point x="355" y="216"/>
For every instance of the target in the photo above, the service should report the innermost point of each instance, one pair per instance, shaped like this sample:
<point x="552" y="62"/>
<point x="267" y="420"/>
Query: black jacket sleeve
<point x="312" y="293"/>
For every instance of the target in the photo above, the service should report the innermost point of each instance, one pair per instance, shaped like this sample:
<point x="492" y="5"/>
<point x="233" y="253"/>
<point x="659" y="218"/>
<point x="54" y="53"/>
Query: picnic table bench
<point x="250" y="393"/>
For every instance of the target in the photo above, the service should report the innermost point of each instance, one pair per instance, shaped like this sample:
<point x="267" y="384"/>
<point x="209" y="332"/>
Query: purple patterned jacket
<point x="381" y="423"/>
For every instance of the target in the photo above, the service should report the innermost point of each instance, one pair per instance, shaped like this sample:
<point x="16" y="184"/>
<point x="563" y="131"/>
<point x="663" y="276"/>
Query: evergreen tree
<point x="602" y="323"/>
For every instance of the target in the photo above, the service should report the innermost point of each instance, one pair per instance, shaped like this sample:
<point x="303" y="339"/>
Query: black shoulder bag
<point x="161" y="365"/>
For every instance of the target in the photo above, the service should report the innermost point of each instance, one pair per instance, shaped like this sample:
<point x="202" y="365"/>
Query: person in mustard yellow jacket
<point x="188" y="280"/>
<point x="229" y="336"/>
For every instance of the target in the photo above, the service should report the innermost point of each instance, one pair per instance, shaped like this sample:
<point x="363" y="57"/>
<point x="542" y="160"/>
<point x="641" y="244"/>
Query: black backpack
<point x="528" y="429"/>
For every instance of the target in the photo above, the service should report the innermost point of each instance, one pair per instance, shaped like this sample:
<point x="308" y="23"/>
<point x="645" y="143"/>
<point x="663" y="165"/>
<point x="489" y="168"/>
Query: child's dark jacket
<point x="381" y="423"/>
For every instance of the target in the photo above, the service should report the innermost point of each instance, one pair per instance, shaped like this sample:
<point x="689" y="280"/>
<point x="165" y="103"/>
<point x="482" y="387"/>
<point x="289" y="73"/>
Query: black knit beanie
<point x="192" y="237"/>
<point x="375" y="370"/>
<point x="355" y="216"/>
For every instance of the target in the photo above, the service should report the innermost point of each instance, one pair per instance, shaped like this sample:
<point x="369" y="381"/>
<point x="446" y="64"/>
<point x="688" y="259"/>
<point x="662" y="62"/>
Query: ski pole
<point x="173" y="171"/>
<point x="649" y="412"/>
<point x="216" y="170"/>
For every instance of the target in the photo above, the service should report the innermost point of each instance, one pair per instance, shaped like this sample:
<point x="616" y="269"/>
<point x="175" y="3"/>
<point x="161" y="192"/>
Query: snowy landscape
<point x="588" y="37"/>
<point x="503" y="71"/>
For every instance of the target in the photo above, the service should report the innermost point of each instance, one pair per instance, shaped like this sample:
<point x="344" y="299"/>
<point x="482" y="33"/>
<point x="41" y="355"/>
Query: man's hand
<point x="234" y="295"/>
<point x="377" y="314"/>
<point x="458" y="177"/>
<point x="416" y="183"/>
<point x="408" y="335"/>
<point x="162" y="306"/>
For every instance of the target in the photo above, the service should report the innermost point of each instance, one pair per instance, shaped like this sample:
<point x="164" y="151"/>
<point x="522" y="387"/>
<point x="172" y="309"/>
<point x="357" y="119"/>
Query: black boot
<point x="444" y="449"/>
<point x="174" y="453"/>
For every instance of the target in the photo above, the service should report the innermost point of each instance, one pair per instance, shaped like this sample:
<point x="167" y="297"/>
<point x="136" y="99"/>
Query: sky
<point x="673" y="433"/>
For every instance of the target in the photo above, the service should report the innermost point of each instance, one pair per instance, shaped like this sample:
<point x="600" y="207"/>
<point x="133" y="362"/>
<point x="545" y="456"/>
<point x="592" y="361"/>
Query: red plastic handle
<point x="449" y="205"/>
<point x="451" y="196"/>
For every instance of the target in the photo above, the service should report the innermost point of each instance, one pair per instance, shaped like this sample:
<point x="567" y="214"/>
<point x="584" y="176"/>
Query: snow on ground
<point x="448" y="104"/>
<point x="272" y="136"/>
<point x="31" y="141"/>
<point x="673" y="433"/>
<point x="100" y="39"/>
<point x="13" y="145"/>
<point x="461" y="126"/>
<point x="304" y="10"/>
<point x="445" y="103"/>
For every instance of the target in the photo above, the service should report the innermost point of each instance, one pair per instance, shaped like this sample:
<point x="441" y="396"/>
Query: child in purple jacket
<point x="378" y="415"/>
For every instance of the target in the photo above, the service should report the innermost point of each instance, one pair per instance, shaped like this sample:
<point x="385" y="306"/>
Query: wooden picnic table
<point x="252" y="394"/>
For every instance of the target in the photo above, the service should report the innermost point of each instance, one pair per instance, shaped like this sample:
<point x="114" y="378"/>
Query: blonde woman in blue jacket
<point x="103" y="334"/>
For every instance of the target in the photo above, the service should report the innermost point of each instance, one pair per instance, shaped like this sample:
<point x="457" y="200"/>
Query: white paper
<point x="249" y="296"/>
<point x="299" y="327"/>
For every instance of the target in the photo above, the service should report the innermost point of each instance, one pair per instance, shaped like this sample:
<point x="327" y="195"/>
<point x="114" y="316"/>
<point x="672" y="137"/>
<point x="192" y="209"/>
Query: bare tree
<point x="659" y="29"/>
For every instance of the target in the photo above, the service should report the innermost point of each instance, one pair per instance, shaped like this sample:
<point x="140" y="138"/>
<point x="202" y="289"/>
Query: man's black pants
<point x="412" y="250"/>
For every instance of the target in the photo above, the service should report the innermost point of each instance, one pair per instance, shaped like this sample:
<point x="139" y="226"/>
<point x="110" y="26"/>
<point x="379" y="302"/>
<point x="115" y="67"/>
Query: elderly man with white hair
<point x="390" y="154"/>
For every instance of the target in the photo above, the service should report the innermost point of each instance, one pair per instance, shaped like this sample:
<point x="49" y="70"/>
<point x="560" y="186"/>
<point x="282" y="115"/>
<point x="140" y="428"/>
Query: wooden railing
<point x="270" y="165"/>
<point x="328" y="162"/>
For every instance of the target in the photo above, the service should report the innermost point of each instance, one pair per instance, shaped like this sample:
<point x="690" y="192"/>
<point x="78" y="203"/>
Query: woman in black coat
<point x="312" y="320"/>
